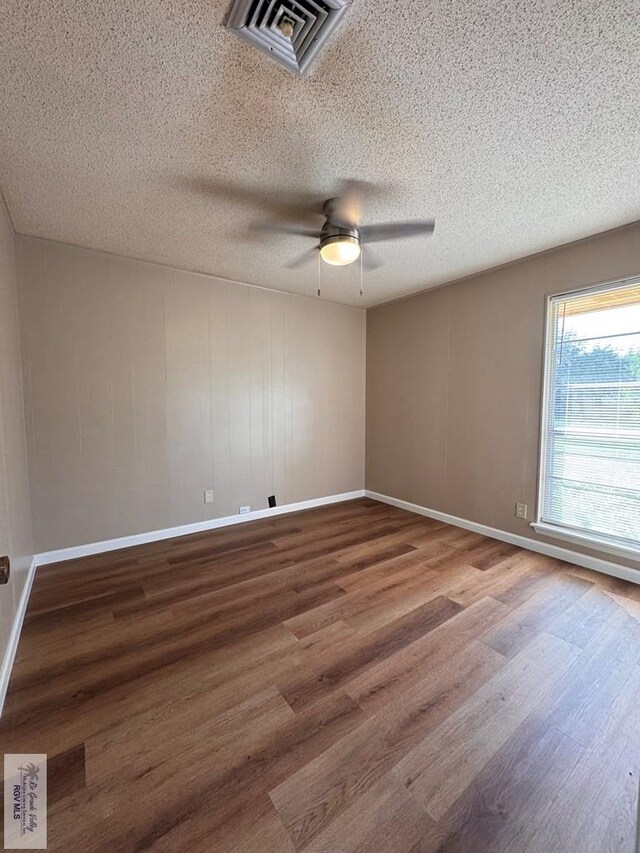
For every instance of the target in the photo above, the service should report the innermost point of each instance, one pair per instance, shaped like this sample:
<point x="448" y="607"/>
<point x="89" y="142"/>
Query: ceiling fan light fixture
<point x="341" y="250"/>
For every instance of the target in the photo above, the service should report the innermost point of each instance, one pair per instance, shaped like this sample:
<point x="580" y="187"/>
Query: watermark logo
<point x="25" y="802"/>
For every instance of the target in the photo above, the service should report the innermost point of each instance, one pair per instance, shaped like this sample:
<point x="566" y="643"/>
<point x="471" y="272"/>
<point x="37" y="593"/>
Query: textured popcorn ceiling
<point x="147" y="129"/>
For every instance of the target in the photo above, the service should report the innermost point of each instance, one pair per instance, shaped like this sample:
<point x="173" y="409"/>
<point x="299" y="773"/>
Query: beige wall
<point x="15" y="513"/>
<point x="453" y="383"/>
<point x="145" y="386"/>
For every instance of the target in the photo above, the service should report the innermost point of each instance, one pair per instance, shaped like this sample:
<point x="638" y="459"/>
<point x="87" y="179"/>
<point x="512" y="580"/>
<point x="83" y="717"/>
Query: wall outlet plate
<point x="521" y="511"/>
<point x="4" y="569"/>
<point x="272" y="501"/>
<point x="208" y="496"/>
<point x="244" y="509"/>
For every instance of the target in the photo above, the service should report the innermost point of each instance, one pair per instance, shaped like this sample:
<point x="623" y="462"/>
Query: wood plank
<point x="540" y="611"/>
<point x="438" y="771"/>
<point x="313" y="797"/>
<point x="66" y="774"/>
<point x="596" y="808"/>
<point x="389" y="680"/>
<point x="386" y="818"/>
<point x="325" y="677"/>
<point x="499" y="811"/>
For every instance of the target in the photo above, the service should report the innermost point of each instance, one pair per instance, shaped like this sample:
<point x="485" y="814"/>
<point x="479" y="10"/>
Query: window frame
<point x="594" y="541"/>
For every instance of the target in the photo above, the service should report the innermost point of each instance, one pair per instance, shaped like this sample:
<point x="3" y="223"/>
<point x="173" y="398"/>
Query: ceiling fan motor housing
<point x="332" y="233"/>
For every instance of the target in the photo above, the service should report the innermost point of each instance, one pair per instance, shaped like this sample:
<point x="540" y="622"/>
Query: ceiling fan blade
<point x="301" y="260"/>
<point x="396" y="230"/>
<point x="370" y="261"/>
<point x="286" y="206"/>
<point x="273" y="228"/>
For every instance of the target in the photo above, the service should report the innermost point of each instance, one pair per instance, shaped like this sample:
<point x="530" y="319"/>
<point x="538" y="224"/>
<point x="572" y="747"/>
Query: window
<point x="590" y="454"/>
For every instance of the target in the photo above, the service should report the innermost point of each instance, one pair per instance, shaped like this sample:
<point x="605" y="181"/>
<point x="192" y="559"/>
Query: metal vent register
<point x="290" y="31"/>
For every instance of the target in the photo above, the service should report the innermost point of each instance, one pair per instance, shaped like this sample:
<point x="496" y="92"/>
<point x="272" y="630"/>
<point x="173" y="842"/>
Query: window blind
<point x="590" y="459"/>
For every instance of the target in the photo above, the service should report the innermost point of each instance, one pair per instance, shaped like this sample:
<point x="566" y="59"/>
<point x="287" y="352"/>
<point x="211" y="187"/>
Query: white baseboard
<point x="14" y="636"/>
<point x="624" y="572"/>
<point x="48" y="557"/>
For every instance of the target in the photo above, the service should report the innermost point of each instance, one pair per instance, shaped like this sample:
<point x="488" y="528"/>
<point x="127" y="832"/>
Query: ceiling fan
<point x="342" y="236"/>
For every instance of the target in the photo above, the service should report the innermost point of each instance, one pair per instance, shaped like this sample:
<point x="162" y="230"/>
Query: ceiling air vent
<point x="290" y="31"/>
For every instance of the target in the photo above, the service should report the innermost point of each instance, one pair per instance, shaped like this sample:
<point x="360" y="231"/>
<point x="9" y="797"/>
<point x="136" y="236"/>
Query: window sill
<point x="594" y="542"/>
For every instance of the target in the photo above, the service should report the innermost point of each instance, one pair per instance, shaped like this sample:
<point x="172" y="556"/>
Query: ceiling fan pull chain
<point x="361" y="276"/>
<point x="318" y="274"/>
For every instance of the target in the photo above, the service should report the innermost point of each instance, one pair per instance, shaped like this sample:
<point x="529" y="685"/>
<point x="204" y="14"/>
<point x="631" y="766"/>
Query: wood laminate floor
<point x="349" y="678"/>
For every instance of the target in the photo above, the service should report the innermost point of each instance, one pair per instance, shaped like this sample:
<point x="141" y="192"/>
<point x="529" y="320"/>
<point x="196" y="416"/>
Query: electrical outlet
<point x="208" y="496"/>
<point x="244" y="509"/>
<point x="521" y="511"/>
